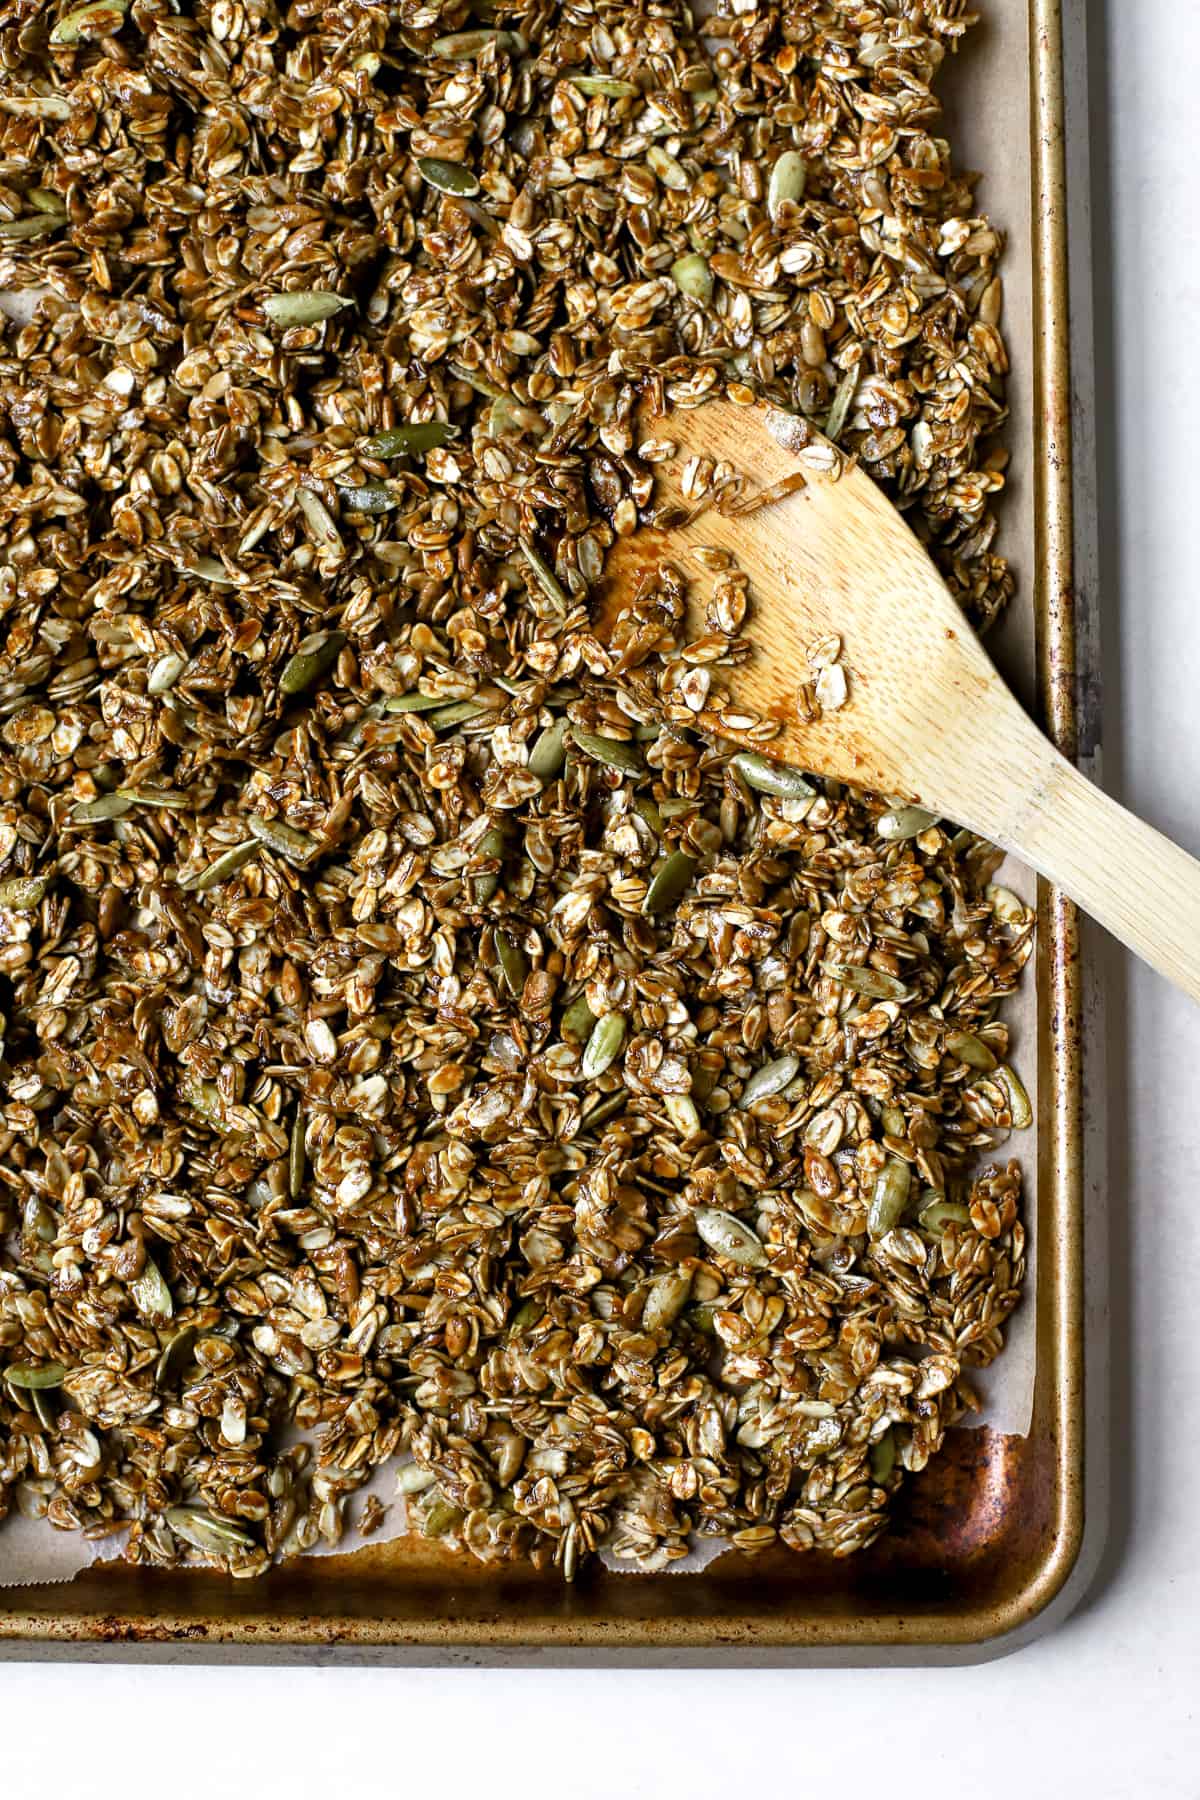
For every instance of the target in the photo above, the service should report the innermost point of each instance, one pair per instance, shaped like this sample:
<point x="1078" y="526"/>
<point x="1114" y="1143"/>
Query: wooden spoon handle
<point x="1136" y="882"/>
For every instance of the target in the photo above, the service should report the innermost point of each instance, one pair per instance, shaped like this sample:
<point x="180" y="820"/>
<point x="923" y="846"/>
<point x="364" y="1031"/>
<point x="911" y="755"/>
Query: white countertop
<point x="1107" y="1704"/>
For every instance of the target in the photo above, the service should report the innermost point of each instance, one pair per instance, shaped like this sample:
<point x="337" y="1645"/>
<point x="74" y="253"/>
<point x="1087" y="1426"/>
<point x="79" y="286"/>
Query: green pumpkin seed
<point x="882" y="1457"/>
<point x="165" y="672"/>
<point x="874" y="983"/>
<point x="151" y="1295"/>
<point x="314" y="657"/>
<point x="100" y="19"/>
<point x="1007" y="906"/>
<point x="458" y="45"/>
<point x="682" y="1112"/>
<point x="459" y="712"/>
<point x="307" y="308"/>
<point x="787" y="182"/>
<point x="440" y="1519"/>
<point x="206" y="568"/>
<point x="514" y="965"/>
<point x="414" y="703"/>
<point x="647" y="809"/>
<point x="36" y="106"/>
<point x="103" y="808"/>
<point x="772" y="1078"/>
<point x="294" y="846"/>
<point x="549" y="753"/>
<point x="700" y="1318"/>
<point x="666" y="1300"/>
<point x="669" y="170"/>
<point x="527" y="1314"/>
<point x="893" y="1121"/>
<point x="578" y="1019"/>
<point x="730" y="1238"/>
<point x="693" y="277"/>
<point x="225" y="865"/>
<point x="296" y="1155"/>
<point x="904" y="822"/>
<point x="546" y="578"/>
<point x="668" y="882"/>
<point x="413" y="1479"/>
<point x="205" y="1098"/>
<point x="31" y="1375"/>
<point x="940" y="1213"/>
<point x="212" y="1537"/>
<point x="169" y="799"/>
<point x="614" y="753"/>
<point x="175" y="1356"/>
<point x="44" y="1407"/>
<point x="971" y="1050"/>
<point x="484" y="886"/>
<point x="509" y="416"/>
<point x="403" y="440"/>
<point x="889" y="1197"/>
<point x="1019" y="1104"/>
<point x="843" y="399"/>
<point x="600" y="1110"/>
<point x="766" y="776"/>
<point x="21" y="893"/>
<point x="32" y="225"/>
<point x="604" y="1045"/>
<point x="369" y="497"/>
<point x="606" y="86"/>
<point x="448" y="177"/>
<point x="482" y="384"/>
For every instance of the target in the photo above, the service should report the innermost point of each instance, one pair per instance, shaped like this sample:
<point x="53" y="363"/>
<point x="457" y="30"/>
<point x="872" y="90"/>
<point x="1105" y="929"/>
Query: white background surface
<point x="1107" y="1705"/>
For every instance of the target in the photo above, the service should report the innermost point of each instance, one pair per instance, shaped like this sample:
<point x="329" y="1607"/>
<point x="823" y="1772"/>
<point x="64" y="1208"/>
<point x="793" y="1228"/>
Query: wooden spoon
<point x="926" y="715"/>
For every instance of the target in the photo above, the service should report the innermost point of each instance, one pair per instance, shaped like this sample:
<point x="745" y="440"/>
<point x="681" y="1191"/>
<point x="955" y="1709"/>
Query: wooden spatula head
<point x="926" y="716"/>
<point x="828" y="556"/>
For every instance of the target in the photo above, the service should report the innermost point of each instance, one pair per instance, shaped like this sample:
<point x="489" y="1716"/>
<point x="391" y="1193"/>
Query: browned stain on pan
<point x="984" y="1538"/>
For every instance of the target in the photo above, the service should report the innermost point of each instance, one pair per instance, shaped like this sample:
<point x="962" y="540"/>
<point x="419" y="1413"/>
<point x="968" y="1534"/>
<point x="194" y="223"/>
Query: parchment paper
<point x="994" y="138"/>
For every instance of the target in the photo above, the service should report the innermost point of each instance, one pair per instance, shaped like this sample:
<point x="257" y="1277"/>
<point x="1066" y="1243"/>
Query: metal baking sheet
<point x="987" y="1536"/>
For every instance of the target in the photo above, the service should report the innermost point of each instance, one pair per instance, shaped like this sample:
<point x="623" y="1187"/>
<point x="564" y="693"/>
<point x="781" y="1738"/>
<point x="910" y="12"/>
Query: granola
<point x="421" y="1041"/>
